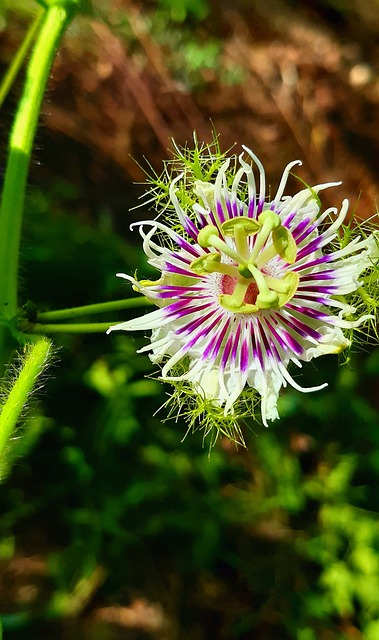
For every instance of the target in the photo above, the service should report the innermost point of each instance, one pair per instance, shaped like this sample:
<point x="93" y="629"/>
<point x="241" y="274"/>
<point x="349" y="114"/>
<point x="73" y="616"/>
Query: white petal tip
<point x="118" y="327"/>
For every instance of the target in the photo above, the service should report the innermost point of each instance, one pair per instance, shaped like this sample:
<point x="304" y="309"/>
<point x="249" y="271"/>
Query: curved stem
<point x="91" y="309"/>
<point x="16" y="64"/>
<point x="20" y="147"/>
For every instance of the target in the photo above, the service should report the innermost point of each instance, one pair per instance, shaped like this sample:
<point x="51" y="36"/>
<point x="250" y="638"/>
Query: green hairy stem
<point x="33" y="363"/>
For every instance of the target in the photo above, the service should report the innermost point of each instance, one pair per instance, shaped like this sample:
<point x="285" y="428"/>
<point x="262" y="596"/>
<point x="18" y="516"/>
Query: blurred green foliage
<point x="180" y="11"/>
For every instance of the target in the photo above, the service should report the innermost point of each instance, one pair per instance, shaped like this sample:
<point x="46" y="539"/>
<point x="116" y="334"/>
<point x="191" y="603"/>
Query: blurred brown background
<point x="288" y="79"/>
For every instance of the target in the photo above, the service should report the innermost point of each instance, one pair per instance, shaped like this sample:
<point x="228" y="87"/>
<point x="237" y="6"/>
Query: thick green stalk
<point x="16" y="64"/>
<point x="20" y="148"/>
<point x="33" y="364"/>
<point x="93" y="309"/>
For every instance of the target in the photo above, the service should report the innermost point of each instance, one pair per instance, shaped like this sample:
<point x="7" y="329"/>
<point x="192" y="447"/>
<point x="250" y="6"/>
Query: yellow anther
<point x="266" y="299"/>
<point x="211" y="263"/>
<point x="148" y="283"/>
<point x="240" y="228"/>
<point x="291" y="279"/>
<point x="207" y="236"/>
<point x="285" y="288"/>
<point x="269" y="219"/>
<point x="249" y="226"/>
<point x="280" y="285"/>
<point x="206" y="264"/>
<point x="284" y="244"/>
<point x="228" y="303"/>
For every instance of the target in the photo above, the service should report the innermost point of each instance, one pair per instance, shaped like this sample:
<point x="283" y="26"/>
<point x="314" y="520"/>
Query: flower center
<point x="245" y="287"/>
<point x="228" y="284"/>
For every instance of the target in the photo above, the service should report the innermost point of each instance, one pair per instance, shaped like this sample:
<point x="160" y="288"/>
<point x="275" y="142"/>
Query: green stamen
<point x="266" y="255"/>
<point x="266" y="299"/>
<point x="241" y="241"/>
<point x="208" y="237"/>
<point x="283" y="245"/>
<point x="239" y="292"/>
<point x="211" y="263"/>
<point x="241" y="228"/>
<point x="269" y="221"/>
<point x="228" y="304"/>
